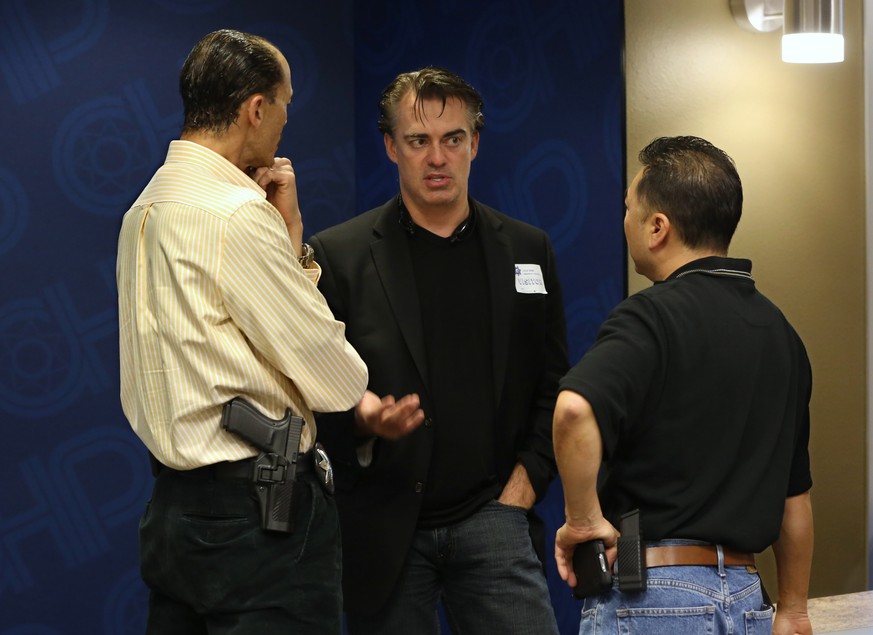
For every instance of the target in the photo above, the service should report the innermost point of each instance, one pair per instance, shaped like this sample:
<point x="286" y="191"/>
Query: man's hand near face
<point x="280" y="184"/>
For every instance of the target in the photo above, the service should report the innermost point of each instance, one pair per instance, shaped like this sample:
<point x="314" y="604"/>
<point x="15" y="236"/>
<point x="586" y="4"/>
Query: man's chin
<point x="441" y="196"/>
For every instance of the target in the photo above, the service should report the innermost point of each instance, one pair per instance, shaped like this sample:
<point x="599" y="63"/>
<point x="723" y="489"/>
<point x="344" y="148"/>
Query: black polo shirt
<point x="701" y="389"/>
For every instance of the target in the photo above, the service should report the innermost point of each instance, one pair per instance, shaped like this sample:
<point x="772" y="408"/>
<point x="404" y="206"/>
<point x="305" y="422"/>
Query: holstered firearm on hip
<point x="274" y="469"/>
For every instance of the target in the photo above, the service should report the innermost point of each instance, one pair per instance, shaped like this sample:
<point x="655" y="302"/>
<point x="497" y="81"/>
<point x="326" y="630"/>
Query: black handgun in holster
<point x="274" y="469"/>
<point x="631" y="554"/>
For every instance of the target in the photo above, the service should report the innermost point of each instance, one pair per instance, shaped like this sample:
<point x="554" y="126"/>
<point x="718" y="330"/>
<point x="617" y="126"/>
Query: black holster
<point x="275" y="469"/>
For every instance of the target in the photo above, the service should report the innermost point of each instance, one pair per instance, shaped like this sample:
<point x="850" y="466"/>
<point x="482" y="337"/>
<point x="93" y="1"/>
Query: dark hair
<point x="224" y="69"/>
<point x="696" y="185"/>
<point x="430" y="82"/>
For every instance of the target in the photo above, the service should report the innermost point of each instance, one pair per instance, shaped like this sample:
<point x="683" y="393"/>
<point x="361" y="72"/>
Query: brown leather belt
<point x="679" y="555"/>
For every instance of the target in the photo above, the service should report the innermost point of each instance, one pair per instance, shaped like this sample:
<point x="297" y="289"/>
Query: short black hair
<point x="696" y="185"/>
<point x="430" y="82"/>
<point x="225" y="68"/>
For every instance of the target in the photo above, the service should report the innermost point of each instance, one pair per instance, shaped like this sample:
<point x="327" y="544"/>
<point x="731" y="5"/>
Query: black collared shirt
<point x="701" y="389"/>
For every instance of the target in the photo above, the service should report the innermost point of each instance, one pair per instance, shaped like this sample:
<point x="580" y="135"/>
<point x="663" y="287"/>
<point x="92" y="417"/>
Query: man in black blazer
<point x="457" y="311"/>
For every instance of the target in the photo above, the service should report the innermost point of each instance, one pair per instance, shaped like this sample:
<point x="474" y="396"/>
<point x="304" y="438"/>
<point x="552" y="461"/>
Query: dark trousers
<point x="211" y="569"/>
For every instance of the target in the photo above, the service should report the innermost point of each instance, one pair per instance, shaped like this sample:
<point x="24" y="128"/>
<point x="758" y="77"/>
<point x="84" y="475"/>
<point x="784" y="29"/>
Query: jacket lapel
<point x="498" y="260"/>
<point x="394" y="267"/>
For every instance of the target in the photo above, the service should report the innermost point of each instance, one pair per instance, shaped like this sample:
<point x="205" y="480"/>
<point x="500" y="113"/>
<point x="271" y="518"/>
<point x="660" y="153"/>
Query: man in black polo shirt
<point x="457" y="311"/>
<point x="695" y="398"/>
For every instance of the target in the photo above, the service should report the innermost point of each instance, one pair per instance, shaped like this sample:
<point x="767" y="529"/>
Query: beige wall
<point x="796" y="133"/>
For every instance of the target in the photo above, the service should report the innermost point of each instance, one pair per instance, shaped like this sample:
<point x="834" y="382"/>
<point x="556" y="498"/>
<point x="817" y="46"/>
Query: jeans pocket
<point x="217" y="530"/>
<point x="759" y="622"/>
<point x="507" y="507"/>
<point x="695" y="620"/>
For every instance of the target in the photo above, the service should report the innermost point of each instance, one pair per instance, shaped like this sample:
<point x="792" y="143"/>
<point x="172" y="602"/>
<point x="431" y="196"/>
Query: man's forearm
<point x="793" y="553"/>
<point x="578" y="452"/>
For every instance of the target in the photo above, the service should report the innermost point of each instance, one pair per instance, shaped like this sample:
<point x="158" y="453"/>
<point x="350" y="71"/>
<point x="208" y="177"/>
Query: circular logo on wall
<point x="101" y="156"/>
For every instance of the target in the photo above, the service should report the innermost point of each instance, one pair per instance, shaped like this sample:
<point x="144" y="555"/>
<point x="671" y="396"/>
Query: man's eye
<point x="453" y="141"/>
<point x="416" y="143"/>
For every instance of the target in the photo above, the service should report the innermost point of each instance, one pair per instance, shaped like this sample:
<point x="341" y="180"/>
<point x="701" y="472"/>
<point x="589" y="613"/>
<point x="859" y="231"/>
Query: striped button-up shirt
<point x="213" y="304"/>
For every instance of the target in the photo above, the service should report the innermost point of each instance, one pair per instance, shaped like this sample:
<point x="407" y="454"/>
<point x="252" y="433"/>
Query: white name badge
<point x="529" y="279"/>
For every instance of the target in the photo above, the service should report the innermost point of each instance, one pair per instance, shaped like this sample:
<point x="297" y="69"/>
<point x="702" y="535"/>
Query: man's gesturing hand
<point x="387" y="418"/>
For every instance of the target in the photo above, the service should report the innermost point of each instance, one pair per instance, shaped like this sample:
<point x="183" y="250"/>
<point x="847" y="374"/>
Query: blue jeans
<point x="683" y="600"/>
<point x="484" y="569"/>
<point x="211" y="568"/>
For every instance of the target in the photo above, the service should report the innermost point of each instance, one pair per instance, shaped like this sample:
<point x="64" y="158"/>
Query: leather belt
<point x="231" y="470"/>
<point x="679" y="555"/>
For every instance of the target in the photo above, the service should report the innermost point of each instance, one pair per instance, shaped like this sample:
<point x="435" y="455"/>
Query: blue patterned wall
<point x="88" y="89"/>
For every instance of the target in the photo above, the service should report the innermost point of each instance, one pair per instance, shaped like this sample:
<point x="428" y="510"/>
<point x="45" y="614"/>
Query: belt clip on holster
<point x="631" y="554"/>
<point x="275" y="469"/>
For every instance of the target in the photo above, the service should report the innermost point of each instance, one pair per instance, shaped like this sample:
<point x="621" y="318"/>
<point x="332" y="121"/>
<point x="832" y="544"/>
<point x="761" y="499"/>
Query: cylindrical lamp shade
<point x="813" y="31"/>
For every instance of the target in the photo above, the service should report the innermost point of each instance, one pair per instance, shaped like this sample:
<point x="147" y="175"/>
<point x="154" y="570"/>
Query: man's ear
<point x="390" y="147"/>
<point x="474" y="145"/>
<point x="659" y="229"/>
<point x="252" y="110"/>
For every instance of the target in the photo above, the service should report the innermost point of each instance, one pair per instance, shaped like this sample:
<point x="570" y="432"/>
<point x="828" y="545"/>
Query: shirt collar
<point x="462" y="231"/>
<point x="181" y="151"/>
<point x="715" y="266"/>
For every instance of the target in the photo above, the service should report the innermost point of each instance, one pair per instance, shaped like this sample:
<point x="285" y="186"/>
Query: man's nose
<point x="436" y="155"/>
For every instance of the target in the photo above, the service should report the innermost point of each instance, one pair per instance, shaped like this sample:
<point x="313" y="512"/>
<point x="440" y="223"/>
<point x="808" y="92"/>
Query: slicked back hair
<point x="696" y="185"/>
<point x="430" y="82"/>
<point x="224" y="69"/>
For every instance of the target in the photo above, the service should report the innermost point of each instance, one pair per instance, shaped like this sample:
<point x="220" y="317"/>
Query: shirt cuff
<point x="313" y="272"/>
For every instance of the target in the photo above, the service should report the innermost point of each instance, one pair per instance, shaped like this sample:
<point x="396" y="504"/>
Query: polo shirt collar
<point x="716" y="266"/>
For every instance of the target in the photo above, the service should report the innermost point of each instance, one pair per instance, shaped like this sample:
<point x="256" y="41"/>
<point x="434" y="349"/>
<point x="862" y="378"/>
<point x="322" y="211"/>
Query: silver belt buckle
<point x="323" y="468"/>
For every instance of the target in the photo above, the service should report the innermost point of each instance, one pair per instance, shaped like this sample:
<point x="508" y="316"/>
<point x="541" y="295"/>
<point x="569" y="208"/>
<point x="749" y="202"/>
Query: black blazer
<point x="368" y="282"/>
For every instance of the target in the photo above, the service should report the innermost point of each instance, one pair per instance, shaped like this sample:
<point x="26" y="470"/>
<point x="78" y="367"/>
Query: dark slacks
<point x="211" y="569"/>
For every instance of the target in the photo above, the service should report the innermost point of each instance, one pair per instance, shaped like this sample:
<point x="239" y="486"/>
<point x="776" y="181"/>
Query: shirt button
<point x="428" y="422"/>
<point x="419" y="486"/>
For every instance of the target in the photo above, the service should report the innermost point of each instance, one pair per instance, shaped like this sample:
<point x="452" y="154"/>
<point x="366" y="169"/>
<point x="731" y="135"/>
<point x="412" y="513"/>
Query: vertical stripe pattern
<point x="212" y="305"/>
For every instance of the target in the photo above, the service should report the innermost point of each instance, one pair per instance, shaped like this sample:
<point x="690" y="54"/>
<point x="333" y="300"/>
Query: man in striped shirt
<point x="217" y="299"/>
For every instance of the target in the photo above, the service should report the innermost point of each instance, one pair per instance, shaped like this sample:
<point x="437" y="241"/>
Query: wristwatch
<point x="307" y="255"/>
